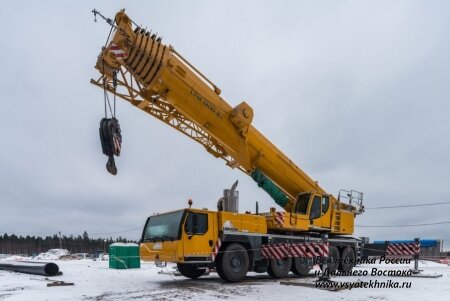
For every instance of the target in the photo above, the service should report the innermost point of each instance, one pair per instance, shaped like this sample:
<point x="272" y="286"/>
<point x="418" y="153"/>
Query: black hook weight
<point x="111" y="140"/>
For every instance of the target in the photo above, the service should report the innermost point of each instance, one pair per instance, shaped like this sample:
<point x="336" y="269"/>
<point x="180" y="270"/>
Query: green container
<point x="112" y="257"/>
<point x="134" y="259"/>
<point x="124" y="256"/>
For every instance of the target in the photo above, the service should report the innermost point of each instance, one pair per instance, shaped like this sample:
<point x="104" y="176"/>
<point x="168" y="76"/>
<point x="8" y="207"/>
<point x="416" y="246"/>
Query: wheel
<point x="261" y="266"/>
<point x="279" y="268"/>
<point x="219" y="266"/>
<point x="190" y="270"/>
<point x="333" y="259"/>
<point x="260" y="269"/>
<point x="232" y="264"/>
<point x="300" y="266"/>
<point x="348" y="260"/>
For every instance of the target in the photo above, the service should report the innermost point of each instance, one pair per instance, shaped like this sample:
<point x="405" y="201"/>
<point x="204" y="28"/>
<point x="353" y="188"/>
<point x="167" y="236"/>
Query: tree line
<point x="33" y="245"/>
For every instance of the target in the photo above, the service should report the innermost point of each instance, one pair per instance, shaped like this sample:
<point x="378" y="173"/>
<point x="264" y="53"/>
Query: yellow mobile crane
<point x="136" y="66"/>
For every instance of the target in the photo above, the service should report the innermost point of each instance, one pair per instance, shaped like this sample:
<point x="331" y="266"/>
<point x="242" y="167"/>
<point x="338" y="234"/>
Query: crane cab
<point x="314" y="207"/>
<point x="310" y="212"/>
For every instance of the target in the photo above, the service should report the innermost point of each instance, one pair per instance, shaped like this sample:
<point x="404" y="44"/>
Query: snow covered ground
<point x="95" y="281"/>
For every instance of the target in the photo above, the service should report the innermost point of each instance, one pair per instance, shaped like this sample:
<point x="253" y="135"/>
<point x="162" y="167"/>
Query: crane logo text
<point x="207" y="104"/>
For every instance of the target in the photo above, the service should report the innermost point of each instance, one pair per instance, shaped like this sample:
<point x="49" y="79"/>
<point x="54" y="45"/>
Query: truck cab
<point x="185" y="235"/>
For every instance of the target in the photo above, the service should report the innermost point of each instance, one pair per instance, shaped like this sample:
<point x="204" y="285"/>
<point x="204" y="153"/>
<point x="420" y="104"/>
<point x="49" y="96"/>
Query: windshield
<point x="163" y="226"/>
<point x="302" y="203"/>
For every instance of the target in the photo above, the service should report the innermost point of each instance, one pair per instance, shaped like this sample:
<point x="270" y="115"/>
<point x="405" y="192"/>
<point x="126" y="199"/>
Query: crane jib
<point x="207" y="104"/>
<point x="159" y="81"/>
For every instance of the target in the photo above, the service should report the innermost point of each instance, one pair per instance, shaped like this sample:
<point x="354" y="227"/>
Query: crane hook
<point x="111" y="140"/>
<point x="111" y="166"/>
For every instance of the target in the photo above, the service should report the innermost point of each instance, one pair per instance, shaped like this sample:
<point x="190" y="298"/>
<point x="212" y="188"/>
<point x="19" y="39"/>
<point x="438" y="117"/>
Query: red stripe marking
<point x="216" y="249"/>
<point x="296" y="251"/>
<point x="403" y="249"/>
<point x="276" y="252"/>
<point x="283" y="250"/>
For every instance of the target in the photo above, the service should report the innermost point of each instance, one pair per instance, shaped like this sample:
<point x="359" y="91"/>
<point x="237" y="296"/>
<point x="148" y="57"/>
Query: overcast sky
<point x="355" y="92"/>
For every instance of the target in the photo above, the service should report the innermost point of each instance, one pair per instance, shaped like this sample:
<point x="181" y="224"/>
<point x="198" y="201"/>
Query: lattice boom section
<point x="130" y="90"/>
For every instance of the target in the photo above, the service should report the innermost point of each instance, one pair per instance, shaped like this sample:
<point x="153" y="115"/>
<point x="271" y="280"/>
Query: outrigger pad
<point x="111" y="140"/>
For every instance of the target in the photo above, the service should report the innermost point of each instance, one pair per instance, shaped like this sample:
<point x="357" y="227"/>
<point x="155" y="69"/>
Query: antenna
<point x="108" y="20"/>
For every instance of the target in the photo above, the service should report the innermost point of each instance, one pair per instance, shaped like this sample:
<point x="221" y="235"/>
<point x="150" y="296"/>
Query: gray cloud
<point x="355" y="92"/>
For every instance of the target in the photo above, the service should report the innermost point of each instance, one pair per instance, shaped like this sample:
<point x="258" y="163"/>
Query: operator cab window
<point x="302" y="203"/>
<point x="315" y="208"/>
<point x="196" y="223"/>
<point x="325" y="203"/>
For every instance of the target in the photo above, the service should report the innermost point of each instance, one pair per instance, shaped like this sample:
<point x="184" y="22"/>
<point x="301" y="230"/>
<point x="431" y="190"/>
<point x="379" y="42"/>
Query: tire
<point x="190" y="270"/>
<point x="300" y="266"/>
<point x="219" y="266"/>
<point x="279" y="268"/>
<point x="260" y="270"/>
<point x="333" y="259"/>
<point x="232" y="264"/>
<point x="348" y="259"/>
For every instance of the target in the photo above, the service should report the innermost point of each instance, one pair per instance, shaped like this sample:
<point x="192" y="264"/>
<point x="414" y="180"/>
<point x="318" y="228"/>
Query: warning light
<point x="190" y="203"/>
